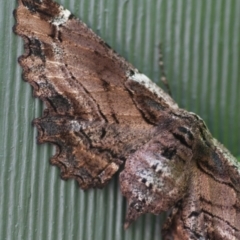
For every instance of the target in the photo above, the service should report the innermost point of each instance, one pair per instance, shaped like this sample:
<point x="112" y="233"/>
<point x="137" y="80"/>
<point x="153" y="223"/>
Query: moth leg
<point x="163" y="77"/>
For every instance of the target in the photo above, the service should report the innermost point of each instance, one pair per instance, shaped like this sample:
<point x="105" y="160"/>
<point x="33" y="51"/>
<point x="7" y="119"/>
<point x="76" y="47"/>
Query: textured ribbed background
<point x="201" y="46"/>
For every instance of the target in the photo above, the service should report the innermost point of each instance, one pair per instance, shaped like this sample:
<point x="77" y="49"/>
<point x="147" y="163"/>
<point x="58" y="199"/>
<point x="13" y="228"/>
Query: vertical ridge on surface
<point x="201" y="48"/>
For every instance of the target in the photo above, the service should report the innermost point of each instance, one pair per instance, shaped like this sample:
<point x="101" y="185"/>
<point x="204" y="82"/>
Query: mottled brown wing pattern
<point x="187" y="171"/>
<point x="101" y="112"/>
<point x="91" y="115"/>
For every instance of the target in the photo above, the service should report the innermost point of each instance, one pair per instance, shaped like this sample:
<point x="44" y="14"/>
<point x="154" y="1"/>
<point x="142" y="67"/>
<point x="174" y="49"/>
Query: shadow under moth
<point x="102" y="113"/>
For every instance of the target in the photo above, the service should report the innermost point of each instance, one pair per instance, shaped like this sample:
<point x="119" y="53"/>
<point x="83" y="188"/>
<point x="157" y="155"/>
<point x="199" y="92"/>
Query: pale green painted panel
<point x="201" y="46"/>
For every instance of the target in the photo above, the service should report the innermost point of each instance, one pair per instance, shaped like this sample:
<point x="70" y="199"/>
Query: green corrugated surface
<point x="201" y="46"/>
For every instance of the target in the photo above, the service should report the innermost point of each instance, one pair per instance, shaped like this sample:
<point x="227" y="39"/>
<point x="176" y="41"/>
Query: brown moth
<point x="102" y="113"/>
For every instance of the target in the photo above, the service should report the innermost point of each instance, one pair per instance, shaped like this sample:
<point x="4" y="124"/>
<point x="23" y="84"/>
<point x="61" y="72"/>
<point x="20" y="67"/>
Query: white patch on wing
<point x="152" y="87"/>
<point x="75" y="126"/>
<point x="144" y="80"/>
<point x="62" y="17"/>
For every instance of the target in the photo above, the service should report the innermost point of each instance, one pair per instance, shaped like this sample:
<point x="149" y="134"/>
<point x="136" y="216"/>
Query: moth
<point x="102" y="113"/>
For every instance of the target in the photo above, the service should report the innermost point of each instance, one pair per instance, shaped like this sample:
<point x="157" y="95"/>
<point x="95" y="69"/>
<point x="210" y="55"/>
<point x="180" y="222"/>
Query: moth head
<point x="155" y="177"/>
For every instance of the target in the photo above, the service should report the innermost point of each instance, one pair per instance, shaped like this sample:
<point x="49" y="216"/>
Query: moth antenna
<point x="163" y="77"/>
